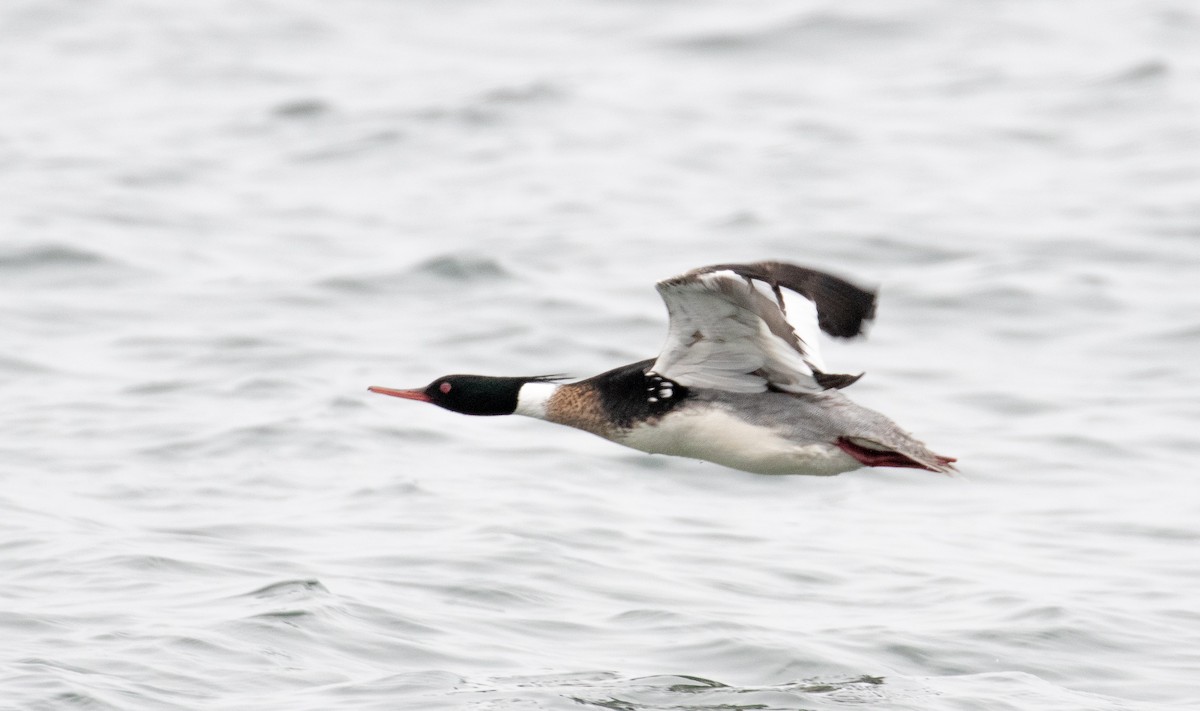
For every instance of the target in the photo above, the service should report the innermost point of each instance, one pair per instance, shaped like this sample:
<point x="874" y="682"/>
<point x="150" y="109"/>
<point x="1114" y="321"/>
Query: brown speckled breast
<point x="579" y="405"/>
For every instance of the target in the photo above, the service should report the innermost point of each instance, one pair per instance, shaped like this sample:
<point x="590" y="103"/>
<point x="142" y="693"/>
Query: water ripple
<point x="222" y="222"/>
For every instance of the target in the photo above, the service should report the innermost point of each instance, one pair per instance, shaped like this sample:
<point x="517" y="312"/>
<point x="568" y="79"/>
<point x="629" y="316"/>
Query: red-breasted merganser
<point x="739" y="382"/>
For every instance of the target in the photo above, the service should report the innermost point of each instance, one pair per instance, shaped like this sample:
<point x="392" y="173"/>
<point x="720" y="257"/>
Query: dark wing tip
<point x="842" y="307"/>
<point x="835" y="381"/>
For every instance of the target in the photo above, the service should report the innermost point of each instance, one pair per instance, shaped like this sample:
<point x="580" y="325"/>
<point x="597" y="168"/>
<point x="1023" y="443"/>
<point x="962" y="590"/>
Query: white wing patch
<point x="729" y="333"/>
<point x="802" y="315"/>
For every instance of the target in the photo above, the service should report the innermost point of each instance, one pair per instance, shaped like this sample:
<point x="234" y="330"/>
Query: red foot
<point x="887" y="458"/>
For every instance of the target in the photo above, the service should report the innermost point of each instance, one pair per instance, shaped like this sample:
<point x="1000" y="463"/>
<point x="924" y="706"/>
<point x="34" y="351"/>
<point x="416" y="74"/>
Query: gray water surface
<point x="222" y="221"/>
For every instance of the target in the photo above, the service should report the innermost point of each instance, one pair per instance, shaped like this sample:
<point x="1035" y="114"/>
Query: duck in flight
<point x="740" y="381"/>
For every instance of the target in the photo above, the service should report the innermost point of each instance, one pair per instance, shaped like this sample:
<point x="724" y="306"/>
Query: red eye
<point x="444" y="387"/>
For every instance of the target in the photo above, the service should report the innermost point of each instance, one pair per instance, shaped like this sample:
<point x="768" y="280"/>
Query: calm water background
<point x="221" y="221"/>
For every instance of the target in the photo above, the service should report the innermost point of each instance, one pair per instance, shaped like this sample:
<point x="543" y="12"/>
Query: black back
<point x="629" y="395"/>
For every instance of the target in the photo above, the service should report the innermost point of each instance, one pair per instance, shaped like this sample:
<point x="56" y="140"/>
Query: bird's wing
<point x="747" y="327"/>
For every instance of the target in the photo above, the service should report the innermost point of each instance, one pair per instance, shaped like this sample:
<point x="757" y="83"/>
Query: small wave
<point x="462" y="268"/>
<point x="1148" y="71"/>
<point x="156" y="387"/>
<point x="302" y="109"/>
<point x="607" y="690"/>
<point x="8" y="364"/>
<point x="492" y="107"/>
<point x="131" y="562"/>
<point x="1008" y="403"/>
<point x="61" y="266"/>
<point x="52" y="256"/>
<point x="367" y="141"/>
<point x="446" y="267"/>
<point x="682" y="683"/>
<point x="818" y="30"/>
<point x="285" y="615"/>
<point x="524" y="94"/>
<point x="289" y="588"/>
<point x="285" y="437"/>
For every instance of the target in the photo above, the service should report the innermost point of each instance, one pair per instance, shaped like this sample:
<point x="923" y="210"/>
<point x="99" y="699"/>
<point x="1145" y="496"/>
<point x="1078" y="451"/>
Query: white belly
<point x="717" y="436"/>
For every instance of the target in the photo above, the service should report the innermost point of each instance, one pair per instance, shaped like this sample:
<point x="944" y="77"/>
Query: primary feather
<point x="747" y="328"/>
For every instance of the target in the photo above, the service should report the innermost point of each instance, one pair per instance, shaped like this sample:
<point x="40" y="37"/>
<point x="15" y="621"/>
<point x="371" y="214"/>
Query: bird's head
<point x="470" y="394"/>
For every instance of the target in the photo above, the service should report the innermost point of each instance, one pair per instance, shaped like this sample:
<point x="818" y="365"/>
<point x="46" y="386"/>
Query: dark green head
<point x="470" y="394"/>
